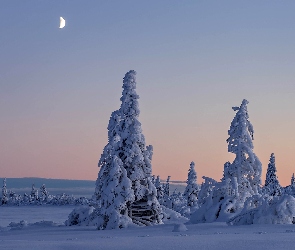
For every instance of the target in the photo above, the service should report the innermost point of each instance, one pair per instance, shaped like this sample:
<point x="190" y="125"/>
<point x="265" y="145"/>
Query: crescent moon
<point x="62" y="22"/>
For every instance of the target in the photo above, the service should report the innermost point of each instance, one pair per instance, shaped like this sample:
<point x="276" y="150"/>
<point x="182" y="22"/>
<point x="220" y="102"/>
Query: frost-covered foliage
<point x="129" y="160"/>
<point x="43" y="193"/>
<point x="206" y="189"/>
<point x="192" y="188"/>
<point x="291" y="188"/>
<point x="170" y="216"/>
<point x="34" y="193"/>
<point x="4" y="198"/>
<point x="272" y="186"/>
<point x="167" y="201"/>
<point x="160" y="190"/>
<point x="80" y="216"/>
<point x="108" y="152"/>
<point x="266" y="210"/>
<point x="116" y="196"/>
<point x="216" y="202"/>
<point x="178" y="203"/>
<point x="246" y="167"/>
<point x="219" y="201"/>
<point x="13" y="199"/>
<point x="167" y="187"/>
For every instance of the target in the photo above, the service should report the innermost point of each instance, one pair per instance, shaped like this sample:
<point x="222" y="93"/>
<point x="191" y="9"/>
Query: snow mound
<point x="24" y="224"/>
<point x="18" y="225"/>
<point x="179" y="228"/>
<point x="80" y="216"/>
<point x="172" y="217"/>
<point x="90" y="216"/>
<point x="272" y="210"/>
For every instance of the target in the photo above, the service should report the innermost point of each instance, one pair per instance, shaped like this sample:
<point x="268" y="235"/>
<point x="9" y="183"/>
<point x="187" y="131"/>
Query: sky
<point x="194" y="61"/>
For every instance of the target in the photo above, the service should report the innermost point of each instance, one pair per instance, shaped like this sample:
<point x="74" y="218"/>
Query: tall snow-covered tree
<point x="246" y="166"/>
<point x="4" y="198"/>
<point x="218" y="201"/>
<point x="272" y="186"/>
<point x="192" y="188"/>
<point x="293" y="180"/>
<point x="127" y="142"/>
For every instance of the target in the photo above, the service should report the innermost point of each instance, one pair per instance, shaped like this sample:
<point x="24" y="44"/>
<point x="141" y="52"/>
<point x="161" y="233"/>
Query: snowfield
<point x="48" y="235"/>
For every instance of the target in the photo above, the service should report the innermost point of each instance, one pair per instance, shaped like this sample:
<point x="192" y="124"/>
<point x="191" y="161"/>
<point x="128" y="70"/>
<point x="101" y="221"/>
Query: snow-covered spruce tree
<point x="272" y="186"/>
<point x="127" y="142"/>
<point x="43" y="193"/>
<point x="4" y="198"/>
<point x="160" y="190"/>
<point x="167" y="200"/>
<point x="291" y="188"/>
<point x="167" y="187"/>
<point x="219" y="201"/>
<point x="246" y="167"/>
<point x="26" y="199"/>
<point x="34" y="194"/>
<point x="192" y="188"/>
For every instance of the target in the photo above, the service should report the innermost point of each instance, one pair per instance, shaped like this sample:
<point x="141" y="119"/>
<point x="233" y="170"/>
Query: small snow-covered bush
<point x="18" y="225"/>
<point x="80" y="216"/>
<point x="269" y="210"/>
<point x="170" y="216"/>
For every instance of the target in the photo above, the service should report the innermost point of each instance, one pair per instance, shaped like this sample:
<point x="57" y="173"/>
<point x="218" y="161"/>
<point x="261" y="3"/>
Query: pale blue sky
<point x="194" y="59"/>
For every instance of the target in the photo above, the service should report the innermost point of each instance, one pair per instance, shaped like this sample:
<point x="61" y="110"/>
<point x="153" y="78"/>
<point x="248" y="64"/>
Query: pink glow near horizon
<point x="194" y="60"/>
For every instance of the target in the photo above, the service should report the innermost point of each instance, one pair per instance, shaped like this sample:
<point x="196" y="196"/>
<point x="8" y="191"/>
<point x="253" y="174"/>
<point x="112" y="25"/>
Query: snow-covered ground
<point x="199" y="236"/>
<point x="33" y="214"/>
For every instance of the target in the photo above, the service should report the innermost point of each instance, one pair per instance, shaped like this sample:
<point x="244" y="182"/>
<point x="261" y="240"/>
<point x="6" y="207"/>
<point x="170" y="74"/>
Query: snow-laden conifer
<point x="160" y="190"/>
<point x="246" y="166"/>
<point x="34" y="193"/>
<point x="219" y="201"/>
<point x="4" y="198"/>
<point x="272" y="186"/>
<point x="166" y="198"/>
<point x="293" y="180"/>
<point x="192" y="188"/>
<point x="43" y="193"/>
<point x="127" y="143"/>
<point x="167" y="187"/>
<point x="157" y="181"/>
